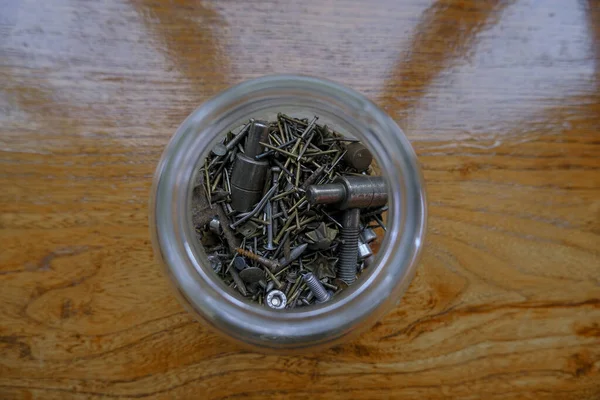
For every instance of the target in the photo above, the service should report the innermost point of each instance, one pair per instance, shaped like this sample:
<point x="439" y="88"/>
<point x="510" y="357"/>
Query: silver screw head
<point x="276" y="299"/>
<point x="215" y="262"/>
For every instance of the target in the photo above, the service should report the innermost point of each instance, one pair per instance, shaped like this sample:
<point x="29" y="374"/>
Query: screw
<point x="346" y="269"/>
<point x="272" y="265"/>
<point x="316" y="287"/>
<point x="276" y="299"/>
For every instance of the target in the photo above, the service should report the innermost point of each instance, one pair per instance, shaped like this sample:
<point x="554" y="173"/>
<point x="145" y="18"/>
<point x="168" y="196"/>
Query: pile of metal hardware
<point x="287" y="211"/>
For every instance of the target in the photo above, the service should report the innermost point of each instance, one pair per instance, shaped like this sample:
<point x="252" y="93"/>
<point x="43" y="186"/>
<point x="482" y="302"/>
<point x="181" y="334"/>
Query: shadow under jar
<point x="202" y="291"/>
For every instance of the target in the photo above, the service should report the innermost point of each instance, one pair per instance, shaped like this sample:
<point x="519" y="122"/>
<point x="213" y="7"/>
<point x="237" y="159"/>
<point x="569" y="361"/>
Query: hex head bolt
<point x="346" y="268"/>
<point x="349" y="193"/>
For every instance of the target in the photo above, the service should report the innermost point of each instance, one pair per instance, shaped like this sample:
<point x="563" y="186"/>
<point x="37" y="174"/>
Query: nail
<point x="269" y="245"/>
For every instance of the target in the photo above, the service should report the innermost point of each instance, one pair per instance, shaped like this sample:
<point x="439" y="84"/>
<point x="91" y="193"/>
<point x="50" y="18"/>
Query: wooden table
<point x="501" y="100"/>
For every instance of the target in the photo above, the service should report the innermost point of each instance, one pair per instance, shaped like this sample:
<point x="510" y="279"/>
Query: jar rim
<point x="325" y="324"/>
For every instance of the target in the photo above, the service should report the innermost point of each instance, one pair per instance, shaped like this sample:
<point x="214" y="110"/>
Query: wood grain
<point x="500" y="99"/>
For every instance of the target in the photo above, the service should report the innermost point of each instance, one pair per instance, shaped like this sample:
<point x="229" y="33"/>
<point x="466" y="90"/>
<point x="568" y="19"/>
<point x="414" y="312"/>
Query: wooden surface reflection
<point x="499" y="98"/>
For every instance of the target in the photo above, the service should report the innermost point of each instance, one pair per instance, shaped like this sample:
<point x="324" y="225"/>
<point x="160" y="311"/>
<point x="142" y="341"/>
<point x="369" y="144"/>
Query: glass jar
<point x="355" y="309"/>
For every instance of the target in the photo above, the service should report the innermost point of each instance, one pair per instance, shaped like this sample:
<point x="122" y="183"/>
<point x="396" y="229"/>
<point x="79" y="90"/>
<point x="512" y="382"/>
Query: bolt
<point x="346" y="268"/>
<point x="350" y="192"/>
<point x="272" y="265"/>
<point x="316" y="287"/>
<point x="276" y="299"/>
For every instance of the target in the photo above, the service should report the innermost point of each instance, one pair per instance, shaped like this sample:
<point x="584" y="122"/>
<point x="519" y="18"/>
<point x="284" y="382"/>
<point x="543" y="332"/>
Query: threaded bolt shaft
<point x="316" y="287"/>
<point x="346" y="268"/>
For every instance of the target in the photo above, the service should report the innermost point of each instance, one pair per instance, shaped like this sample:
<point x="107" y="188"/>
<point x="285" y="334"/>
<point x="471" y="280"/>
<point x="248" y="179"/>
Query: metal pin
<point x="238" y="138"/>
<point x="305" y="146"/>
<point x="276" y="281"/>
<point x="287" y="153"/>
<point x="207" y="179"/>
<point x="285" y="226"/>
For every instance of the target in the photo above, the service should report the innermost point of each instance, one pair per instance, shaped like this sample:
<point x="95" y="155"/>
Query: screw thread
<point x="346" y="269"/>
<point x="316" y="287"/>
<point x="261" y="260"/>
